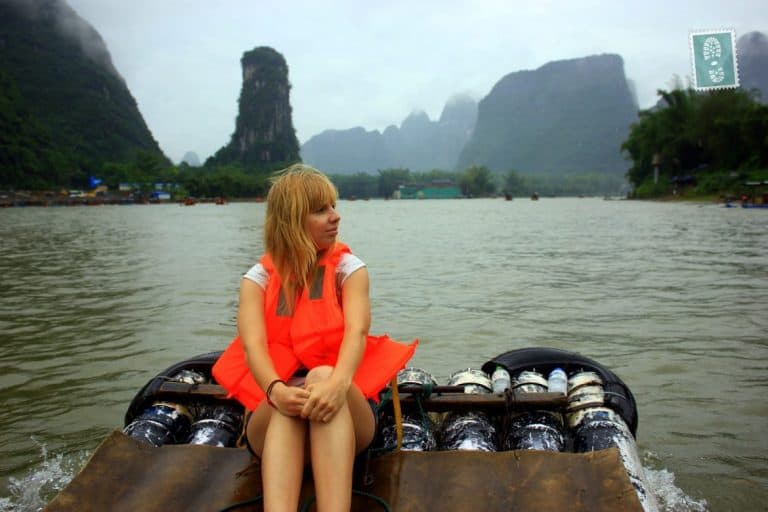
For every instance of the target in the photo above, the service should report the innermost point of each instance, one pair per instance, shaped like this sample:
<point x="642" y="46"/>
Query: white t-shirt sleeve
<point x="348" y="264"/>
<point x="258" y="275"/>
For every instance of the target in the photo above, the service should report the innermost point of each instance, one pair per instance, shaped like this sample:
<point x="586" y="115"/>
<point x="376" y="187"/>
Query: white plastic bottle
<point x="500" y="379"/>
<point x="558" y="381"/>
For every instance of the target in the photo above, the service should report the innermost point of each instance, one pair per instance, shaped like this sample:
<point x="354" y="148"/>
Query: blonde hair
<point x="295" y="193"/>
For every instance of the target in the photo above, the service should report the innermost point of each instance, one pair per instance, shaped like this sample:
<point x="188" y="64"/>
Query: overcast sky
<point x="370" y="64"/>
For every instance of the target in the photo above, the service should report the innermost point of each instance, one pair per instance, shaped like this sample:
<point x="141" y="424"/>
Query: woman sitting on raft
<point x="304" y="362"/>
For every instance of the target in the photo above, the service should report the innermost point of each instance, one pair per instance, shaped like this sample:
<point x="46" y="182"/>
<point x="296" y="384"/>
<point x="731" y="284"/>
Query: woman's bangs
<point x="320" y="192"/>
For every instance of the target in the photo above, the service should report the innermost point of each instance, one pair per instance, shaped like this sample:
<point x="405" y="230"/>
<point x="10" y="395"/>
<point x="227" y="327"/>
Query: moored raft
<point x="457" y="446"/>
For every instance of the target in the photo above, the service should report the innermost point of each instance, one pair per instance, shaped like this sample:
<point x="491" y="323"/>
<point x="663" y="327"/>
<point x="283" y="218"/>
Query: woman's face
<point x="323" y="225"/>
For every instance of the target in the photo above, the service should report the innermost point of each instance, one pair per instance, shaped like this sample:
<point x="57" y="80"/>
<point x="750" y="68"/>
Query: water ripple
<point x="93" y="302"/>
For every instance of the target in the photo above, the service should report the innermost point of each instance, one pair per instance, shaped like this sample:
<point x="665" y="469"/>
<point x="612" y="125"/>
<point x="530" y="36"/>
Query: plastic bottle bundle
<point x="585" y="390"/>
<point x="418" y="435"/>
<point x="415" y="376"/>
<point x="468" y="431"/>
<point x="190" y="377"/>
<point x="536" y="430"/>
<point x="165" y="422"/>
<point x="529" y="381"/>
<point x="161" y="423"/>
<point x="598" y="428"/>
<point x="217" y="426"/>
<point x="594" y="426"/>
<point x="473" y="381"/>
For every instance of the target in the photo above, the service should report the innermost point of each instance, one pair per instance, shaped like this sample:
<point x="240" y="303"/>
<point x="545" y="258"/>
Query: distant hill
<point x="419" y="144"/>
<point x="191" y="158"/>
<point x="566" y="117"/>
<point x="64" y="109"/>
<point x="752" y="51"/>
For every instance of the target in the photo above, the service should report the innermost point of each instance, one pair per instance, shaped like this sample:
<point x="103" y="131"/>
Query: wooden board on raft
<point x="126" y="475"/>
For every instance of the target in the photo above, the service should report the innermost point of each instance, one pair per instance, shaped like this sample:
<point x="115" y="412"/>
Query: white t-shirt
<point x="347" y="265"/>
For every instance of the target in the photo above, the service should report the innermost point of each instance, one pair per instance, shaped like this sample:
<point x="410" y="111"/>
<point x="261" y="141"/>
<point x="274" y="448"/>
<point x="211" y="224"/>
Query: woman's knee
<point x="319" y="374"/>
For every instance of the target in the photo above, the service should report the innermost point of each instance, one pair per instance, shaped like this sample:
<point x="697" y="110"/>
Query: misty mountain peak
<point x="191" y="158"/>
<point x="460" y="109"/>
<point x="415" y="120"/>
<point x="566" y="116"/>
<point x="752" y="43"/>
<point x="752" y="51"/>
<point x="70" y="25"/>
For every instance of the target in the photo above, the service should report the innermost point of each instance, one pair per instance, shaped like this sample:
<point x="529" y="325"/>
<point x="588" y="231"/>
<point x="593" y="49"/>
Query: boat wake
<point x="32" y="492"/>
<point x="670" y="497"/>
<point x="42" y="482"/>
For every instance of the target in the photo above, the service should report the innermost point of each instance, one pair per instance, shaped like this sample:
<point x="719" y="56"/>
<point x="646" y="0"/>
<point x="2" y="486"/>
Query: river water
<point x="95" y="300"/>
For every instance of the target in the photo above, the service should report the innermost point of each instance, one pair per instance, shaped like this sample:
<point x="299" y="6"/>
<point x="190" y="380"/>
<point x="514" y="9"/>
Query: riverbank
<point x="48" y="199"/>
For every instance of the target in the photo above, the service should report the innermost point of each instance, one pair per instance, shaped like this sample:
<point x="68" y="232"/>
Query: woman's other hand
<point x="326" y="397"/>
<point x="289" y="400"/>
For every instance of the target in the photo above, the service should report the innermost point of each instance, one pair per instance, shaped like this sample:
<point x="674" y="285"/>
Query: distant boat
<point x="755" y="197"/>
<point x="745" y="205"/>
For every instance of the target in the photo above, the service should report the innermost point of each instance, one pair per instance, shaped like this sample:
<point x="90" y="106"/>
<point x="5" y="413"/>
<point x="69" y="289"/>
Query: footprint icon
<point x="712" y="50"/>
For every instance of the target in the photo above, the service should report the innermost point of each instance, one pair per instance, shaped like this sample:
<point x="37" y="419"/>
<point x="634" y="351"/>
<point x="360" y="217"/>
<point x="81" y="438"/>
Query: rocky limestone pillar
<point x="264" y="134"/>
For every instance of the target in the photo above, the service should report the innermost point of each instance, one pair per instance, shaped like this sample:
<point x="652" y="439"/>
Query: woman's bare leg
<point x="333" y="446"/>
<point x="279" y="440"/>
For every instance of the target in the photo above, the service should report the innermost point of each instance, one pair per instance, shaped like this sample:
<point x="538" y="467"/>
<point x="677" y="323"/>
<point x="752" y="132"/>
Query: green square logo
<point x="713" y="54"/>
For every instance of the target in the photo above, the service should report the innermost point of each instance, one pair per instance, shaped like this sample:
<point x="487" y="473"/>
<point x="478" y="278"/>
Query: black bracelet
<point x="269" y="390"/>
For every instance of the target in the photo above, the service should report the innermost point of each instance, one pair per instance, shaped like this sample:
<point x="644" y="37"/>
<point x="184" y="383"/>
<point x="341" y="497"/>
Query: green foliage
<point x="517" y="184"/>
<point x="697" y="134"/>
<point x="360" y="185"/>
<point x="390" y="179"/>
<point x="224" y="181"/>
<point x="647" y="189"/>
<point x="28" y="157"/>
<point x="477" y="181"/>
<point x="514" y="184"/>
<point x="715" y="183"/>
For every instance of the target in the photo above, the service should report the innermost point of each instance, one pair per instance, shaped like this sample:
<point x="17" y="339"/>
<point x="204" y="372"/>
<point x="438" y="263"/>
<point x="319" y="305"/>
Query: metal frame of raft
<point x="443" y="398"/>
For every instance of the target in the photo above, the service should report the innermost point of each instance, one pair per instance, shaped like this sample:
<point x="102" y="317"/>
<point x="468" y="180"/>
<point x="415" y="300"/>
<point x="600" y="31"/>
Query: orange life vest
<point x="309" y="337"/>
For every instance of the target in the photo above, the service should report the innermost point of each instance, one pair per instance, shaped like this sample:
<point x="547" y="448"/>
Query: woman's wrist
<point x="268" y="392"/>
<point x="343" y="381"/>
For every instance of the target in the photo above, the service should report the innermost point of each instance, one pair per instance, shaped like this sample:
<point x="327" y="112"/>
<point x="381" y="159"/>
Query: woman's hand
<point x="289" y="400"/>
<point x="325" y="399"/>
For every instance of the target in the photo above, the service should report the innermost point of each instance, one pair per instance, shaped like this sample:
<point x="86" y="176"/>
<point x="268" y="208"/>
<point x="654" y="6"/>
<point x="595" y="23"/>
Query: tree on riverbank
<point x="698" y="138"/>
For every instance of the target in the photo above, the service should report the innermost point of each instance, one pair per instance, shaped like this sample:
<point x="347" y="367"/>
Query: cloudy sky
<point x="370" y="64"/>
